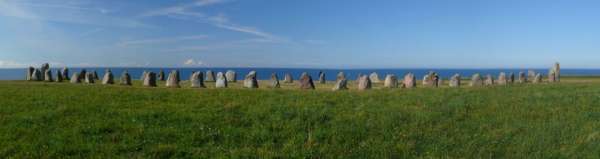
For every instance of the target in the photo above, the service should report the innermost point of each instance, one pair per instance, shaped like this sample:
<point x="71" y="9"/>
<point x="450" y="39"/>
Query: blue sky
<point x="301" y="33"/>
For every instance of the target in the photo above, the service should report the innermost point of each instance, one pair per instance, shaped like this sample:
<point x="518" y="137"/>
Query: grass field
<point x="62" y="120"/>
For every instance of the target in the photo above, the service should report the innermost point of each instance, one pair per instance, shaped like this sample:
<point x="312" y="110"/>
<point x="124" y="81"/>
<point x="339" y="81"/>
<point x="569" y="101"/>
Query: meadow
<point x="62" y="120"/>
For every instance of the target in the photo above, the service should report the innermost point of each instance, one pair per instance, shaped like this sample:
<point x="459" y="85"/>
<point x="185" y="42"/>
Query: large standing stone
<point x="173" y="80"/>
<point x="522" y="77"/>
<point x="531" y="74"/>
<point x="306" y="81"/>
<point x="410" y="81"/>
<point x="43" y="69"/>
<point x="197" y="80"/>
<point x="231" y="76"/>
<point x="65" y="73"/>
<point x="275" y="81"/>
<point x="556" y="69"/>
<point x="454" y="81"/>
<point x="161" y="75"/>
<point x="502" y="80"/>
<point x="221" y="81"/>
<point x="511" y="78"/>
<point x="391" y="81"/>
<point x="125" y="78"/>
<point x="59" y="76"/>
<point x="551" y="76"/>
<point x="250" y="80"/>
<point x="537" y="78"/>
<point x="144" y="75"/>
<point x="288" y="78"/>
<point x="322" y="78"/>
<point x="431" y="80"/>
<point x="108" y="77"/>
<point x="89" y="78"/>
<point x="340" y="84"/>
<point x="340" y="75"/>
<point x="29" y="75"/>
<point x="36" y="75"/>
<point x="48" y="76"/>
<point x="82" y="74"/>
<point x="489" y="80"/>
<point x="210" y="76"/>
<point x="95" y="75"/>
<point x="150" y="79"/>
<point x="75" y="78"/>
<point x="476" y="80"/>
<point x="364" y="83"/>
<point x="374" y="77"/>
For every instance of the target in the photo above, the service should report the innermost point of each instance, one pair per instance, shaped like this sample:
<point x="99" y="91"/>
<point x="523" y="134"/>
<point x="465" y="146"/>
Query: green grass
<point x="61" y="120"/>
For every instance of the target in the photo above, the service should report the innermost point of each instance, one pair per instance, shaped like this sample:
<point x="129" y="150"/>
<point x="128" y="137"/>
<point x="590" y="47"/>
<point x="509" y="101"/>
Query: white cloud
<point x="161" y="40"/>
<point x="192" y="62"/>
<point x="182" y="9"/>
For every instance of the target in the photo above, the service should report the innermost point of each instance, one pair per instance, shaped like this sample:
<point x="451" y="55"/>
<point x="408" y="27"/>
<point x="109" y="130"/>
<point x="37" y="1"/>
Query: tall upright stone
<point x="511" y="78"/>
<point x="556" y="72"/>
<point x="197" y="80"/>
<point x="476" y="81"/>
<point x="150" y="79"/>
<point x="502" y="79"/>
<point x="48" y="76"/>
<point x="43" y="69"/>
<point x="551" y="76"/>
<point x="89" y="78"/>
<point x="82" y="74"/>
<point x="95" y="75"/>
<point x="531" y="74"/>
<point x="322" y="78"/>
<point x="36" y="75"/>
<point x="275" y="81"/>
<point x="522" y="77"/>
<point x="288" y="78"/>
<point x="75" y="78"/>
<point x="391" y="81"/>
<point x="306" y="81"/>
<point x="250" y="80"/>
<point x="537" y="78"/>
<point x="374" y="77"/>
<point x="231" y="76"/>
<point x="210" y="76"/>
<point x="341" y="83"/>
<point x="125" y="78"/>
<point x="30" y="70"/>
<point x="410" y="81"/>
<point x="454" y="81"/>
<point x="59" y="76"/>
<point x="221" y="81"/>
<point x="108" y="77"/>
<point x="431" y="79"/>
<point x="144" y="75"/>
<point x="65" y="73"/>
<point x="340" y="75"/>
<point x="489" y="80"/>
<point x="161" y="75"/>
<point x="364" y="83"/>
<point x="173" y="79"/>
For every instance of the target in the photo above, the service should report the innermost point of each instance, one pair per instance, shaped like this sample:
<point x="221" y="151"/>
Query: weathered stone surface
<point x="125" y="78"/>
<point x="556" y="69"/>
<point x="161" y="75"/>
<point x="29" y="74"/>
<point x="65" y="73"/>
<point x="231" y="76"/>
<point x="537" y="78"/>
<point x="48" y="76"/>
<point x="59" y="76"/>
<point x="108" y="77"/>
<point x="340" y="84"/>
<point x="431" y="80"/>
<point x="531" y="74"/>
<point x="364" y="83"/>
<point x="502" y="79"/>
<point x="489" y="80"/>
<point x="197" y="80"/>
<point x="391" y="81"/>
<point x="144" y="75"/>
<point x="36" y="75"/>
<point x="340" y="75"/>
<point x="322" y="78"/>
<point x="522" y="77"/>
<point x="173" y="79"/>
<point x="89" y="78"/>
<point x="288" y="78"/>
<point x="210" y="76"/>
<point x="551" y="76"/>
<point x="306" y="81"/>
<point x="43" y="69"/>
<point x="82" y="74"/>
<point x="250" y="80"/>
<point x="440" y="82"/>
<point x="511" y="78"/>
<point x="275" y="81"/>
<point x="75" y="78"/>
<point x="150" y="79"/>
<point x="476" y="80"/>
<point x="95" y="75"/>
<point x="374" y="77"/>
<point x="410" y="81"/>
<point x="455" y="81"/>
<point x="221" y="80"/>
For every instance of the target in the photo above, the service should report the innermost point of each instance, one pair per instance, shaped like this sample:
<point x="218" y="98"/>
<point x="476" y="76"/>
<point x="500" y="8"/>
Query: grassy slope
<point x="60" y="120"/>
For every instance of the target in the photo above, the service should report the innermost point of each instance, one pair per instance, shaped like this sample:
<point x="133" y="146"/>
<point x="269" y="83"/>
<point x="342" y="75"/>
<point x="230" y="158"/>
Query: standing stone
<point x="364" y="83"/>
<point x="250" y="80"/>
<point x="43" y="69"/>
<point x="48" y="76"/>
<point x="89" y="78"/>
<point x="108" y="77"/>
<point x="231" y="76"/>
<point x="275" y="81"/>
<point x="476" y="80"/>
<point x="29" y="75"/>
<point x="59" y="76"/>
<point x="454" y="81"/>
<point x="537" y="78"/>
<point x="502" y="80"/>
<point x="341" y="82"/>
<point x="95" y="75"/>
<point x="221" y="81"/>
<point x="322" y="78"/>
<point x="306" y="81"/>
<point x="161" y="75"/>
<point x="374" y="77"/>
<point x="340" y="75"/>
<point x="511" y="78"/>
<point x="288" y="78"/>
<point x="197" y="80"/>
<point x="75" y="78"/>
<point x="489" y="80"/>
<point x="440" y="82"/>
<point x="82" y="74"/>
<point x="65" y="73"/>
<point x="410" y="81"/>
<point x="150" y="79"/>
<point x="391" y="81"/>
<point x="144" y="75"/>
<point x="551" y="76"/>
<point x="556" y="69"/>
<point x="125" y="78"/>
<point x="36" y="75"/>
<point x="173" y="80"/>
<point x="522" y="77"/>
<point x="531" y="74"/>
<point x="431" y="80"/>
<point x="210" y="76"/>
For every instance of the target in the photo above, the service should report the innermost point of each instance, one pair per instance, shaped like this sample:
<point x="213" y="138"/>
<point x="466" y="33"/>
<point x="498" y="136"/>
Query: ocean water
<point x="330" y="74"/>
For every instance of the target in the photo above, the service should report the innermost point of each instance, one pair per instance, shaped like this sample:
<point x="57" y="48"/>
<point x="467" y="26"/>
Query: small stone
<point x="89" y="78"/>
<point x="364" y="83"/>
<point x="374" y="77"/>
<point x="288" y="78"/>
<point x="197" y="80"/>
<point x="210" y="76"/>
<point x="65" y="73"/>
<point x="537" y="78"/>
<point x="36" y="75"/>
<point x="476" y="81"/>
<point x="173" y="79"/>
<point x="340" y="84"/>
<point x="150" y="79"/>
<point x="455" y="81"/>
<point x="231" y="76"/>
<point x="161" y="75"/>
<point x="306" y="81"/>
<point x="502" y="80"/>
<point x="221" y="80"/>
<point x="125" y="78"/>
<point x="108" y="77"/>
<point x="59" y="76"/>
<point x="29" y="75"/>
<point x="391" y="81"/>
<point x="48" y="76"/>
<point x="489" y="80"/>
<point x="431" y="79"/>
<point x="322" y="78"/>
<point x="522" y="77"/>
<point x="409" y="81"/>
<point x="75" y="78"/>
<point x="250" y="80"/>
<point x="275" y="81"/>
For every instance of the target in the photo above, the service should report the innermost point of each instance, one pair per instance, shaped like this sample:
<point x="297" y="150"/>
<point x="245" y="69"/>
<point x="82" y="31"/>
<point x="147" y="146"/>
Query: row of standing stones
<point x="221" y="80"/>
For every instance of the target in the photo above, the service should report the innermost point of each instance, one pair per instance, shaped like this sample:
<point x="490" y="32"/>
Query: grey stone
<point x="431" y="79"/>
<point x="231" y="76"/>
<point x="522" y="77"/>
<point x="125" y="78"/>
<point x="511" y="78"/>
<point x="455" y="81"/>
<point x="221" y="80"/>
<point x="210" y="76"/>
<point x="502" y="79"/>
<point x="306" y="81"/>
<point x="48" y="76"/>
<point x="489" y="80"/>
<point x="340" y="84"/>
<point x="391" y="81"/>
<point x="531" y="74"/>
<point x="75" y="78"/>
<point x="537" y="78"/>
<point x="476" y="80"/>
<point x="95" y="75"/>
<point x="150" y="79"/>
<point x="556" y="69"/>
<point x="65" y="73"/>
<point x="275" y="81"/>
<point x="374" y="77"/>
<point x="410" y="81"/>
<point x="36" y="75"/>
<point x="43" y="69"/>
<point x="173" y="79"/>
<point x="287" y="78"/>
<point x="197" y="80"/>
<point x="440" y="82"/>
<point x="161" y="75"/>
<point x="108" y="77"/>
<point x="364" y="83"/>
<point x="30" y="70"/>
<point x="82" y="74"/>
<point x="89" y="78"/>
<point x="340" y="75"/>
<point x="322" y="78"/>
<point x="250" y="80"/>
<point x="59" y="76"/>
<point x="144" y="75"/>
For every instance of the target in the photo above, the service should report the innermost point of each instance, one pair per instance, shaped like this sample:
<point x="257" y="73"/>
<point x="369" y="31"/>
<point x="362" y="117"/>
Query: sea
<point x="330" y="74"/>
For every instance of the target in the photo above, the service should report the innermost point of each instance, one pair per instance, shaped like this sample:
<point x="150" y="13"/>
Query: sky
<point x="301" y="33"/>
